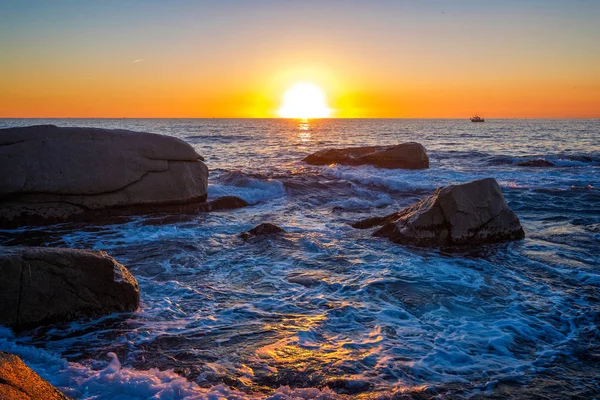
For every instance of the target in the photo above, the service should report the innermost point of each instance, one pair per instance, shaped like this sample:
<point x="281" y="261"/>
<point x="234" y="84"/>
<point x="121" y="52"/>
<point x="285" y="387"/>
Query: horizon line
<point x="281" y="118"/>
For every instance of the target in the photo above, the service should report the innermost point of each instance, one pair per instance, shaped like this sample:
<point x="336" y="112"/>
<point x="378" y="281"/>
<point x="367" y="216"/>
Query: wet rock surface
<point x="409" y="155"/>
<point x="53" y="174"/>
<point x="262" y="230"/>
<point x="19" y="382"/>
<point x="42" y="285"/>
<point x="223" y="203"/>
<point x="540" y="162"/>
<point x="467" y="214"/>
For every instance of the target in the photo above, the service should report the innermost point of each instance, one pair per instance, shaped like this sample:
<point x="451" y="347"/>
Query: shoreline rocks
<point x="53" y="174"/>
<point x="472" y="213"/>
<point x="262" y="230"/>
<point x="540" y="162"/>
<point x="43" y="285"/>
<point x="113" y="215"/>
<point x="19" y="382"/>
<point x="223" y="203"/>
<point x="409" y="155"/>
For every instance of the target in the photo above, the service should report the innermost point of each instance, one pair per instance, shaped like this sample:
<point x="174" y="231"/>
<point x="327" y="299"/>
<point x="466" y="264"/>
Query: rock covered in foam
<point x="19" y="382"/>
<point x="44" y="285"/>
<point x="54" y="173"/>
<point x="409" y="155"/>
<point x="467" y="214"/>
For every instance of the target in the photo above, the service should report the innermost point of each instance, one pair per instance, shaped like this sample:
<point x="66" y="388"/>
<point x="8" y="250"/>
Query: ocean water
<point x="327" y="311"/>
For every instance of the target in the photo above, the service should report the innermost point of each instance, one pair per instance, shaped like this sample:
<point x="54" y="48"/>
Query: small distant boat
<point x="477" y="118"/>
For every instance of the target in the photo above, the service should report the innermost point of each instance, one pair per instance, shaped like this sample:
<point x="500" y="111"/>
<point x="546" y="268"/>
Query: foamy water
<point x="328" y="311"/>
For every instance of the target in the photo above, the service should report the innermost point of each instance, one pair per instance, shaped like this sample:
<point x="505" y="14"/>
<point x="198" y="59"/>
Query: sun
<point x="304" y="100"/>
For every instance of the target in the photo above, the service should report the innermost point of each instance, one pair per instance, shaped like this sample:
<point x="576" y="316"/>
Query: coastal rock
<point x="224" y="203"/>
<point x="580" y="158"/>
<point x="218" y="204"/>
<point x="262" y="229"/>
<point x="54" y="173"/>
<point x="186" y="213"/>
<point x="44" y="285"/>
<point x="19" y="382"/>
<point x="540" y="162"/>
<point x="409" y="155"/>
<point x="467" y="214"/>
<point x="308" y="278"/>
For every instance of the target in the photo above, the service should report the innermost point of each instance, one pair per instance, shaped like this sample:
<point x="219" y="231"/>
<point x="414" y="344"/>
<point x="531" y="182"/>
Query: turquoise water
<point x="330" y="311"/>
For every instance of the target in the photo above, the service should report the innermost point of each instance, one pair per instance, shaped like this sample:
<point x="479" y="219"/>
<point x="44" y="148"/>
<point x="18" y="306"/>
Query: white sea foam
<point x="115" y="382"/>
<point x="250" y="189"/>
<point x="430" y="179"/>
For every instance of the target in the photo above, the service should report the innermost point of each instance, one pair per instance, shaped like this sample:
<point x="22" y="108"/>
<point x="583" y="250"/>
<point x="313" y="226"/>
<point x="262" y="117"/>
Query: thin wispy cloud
<point x="138" y="60"/>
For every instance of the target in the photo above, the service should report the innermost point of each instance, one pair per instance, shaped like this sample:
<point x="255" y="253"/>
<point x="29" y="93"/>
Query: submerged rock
<point x="187" y="213"/>
<point x="19" y="382"/>
<point x="224" y="203"/>
<point x="44" y="285"/>
<point x="52" y="173"/>
<point x="262" y="229"/>
<point x="580" y="158"/>
<point x="540" y="162"/>
<point x="308" y="278"/>
<point x="467" y="214"/>
<point x="409" y="155"/>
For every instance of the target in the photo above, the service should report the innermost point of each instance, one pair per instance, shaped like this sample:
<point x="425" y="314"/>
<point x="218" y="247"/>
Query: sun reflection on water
<point x="305" y="130"/>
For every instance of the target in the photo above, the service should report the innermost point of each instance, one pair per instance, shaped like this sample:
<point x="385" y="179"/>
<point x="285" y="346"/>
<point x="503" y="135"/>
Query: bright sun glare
<point x="304" y="100"/>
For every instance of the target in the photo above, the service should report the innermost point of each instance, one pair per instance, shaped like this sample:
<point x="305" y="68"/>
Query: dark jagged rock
<point x="52" y="174"/>
<point x="262" y="229"/>
<point x="580" y="158"/>
<point x="540" y="162"/>
<point x="349" y="386"/>
<point x="467" y="214"/>
<point x="42" y="285"/>
<point x="19" y="382"/>
<point x="223" y="203"/>
<point x="409" y="155"/>
<point x="266" y="229"/>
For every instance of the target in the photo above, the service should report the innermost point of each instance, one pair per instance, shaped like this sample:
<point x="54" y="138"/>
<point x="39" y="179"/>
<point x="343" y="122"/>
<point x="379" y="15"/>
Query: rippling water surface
<point x="328" y="311"/>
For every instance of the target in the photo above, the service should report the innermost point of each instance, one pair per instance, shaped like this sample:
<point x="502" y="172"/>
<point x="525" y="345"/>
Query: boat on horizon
<point x="477" y="118"/>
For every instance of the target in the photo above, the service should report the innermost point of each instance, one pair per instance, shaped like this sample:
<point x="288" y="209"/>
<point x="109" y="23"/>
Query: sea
<point x="326" y="311"/>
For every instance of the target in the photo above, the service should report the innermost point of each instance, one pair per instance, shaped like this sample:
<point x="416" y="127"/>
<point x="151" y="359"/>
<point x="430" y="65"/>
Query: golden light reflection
<point x="303" y="125"/>
<point x="328" y="354"/>
<point x="304" y="128"/>
<point x="299" y="353"/>
<point x="295" y="323"/>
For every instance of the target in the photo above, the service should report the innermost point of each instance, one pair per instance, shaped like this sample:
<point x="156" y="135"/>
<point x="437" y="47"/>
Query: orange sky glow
<point x="390" y="60"/>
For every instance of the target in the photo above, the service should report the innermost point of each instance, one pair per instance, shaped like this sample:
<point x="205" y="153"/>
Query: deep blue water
<point x="328" y="310"/>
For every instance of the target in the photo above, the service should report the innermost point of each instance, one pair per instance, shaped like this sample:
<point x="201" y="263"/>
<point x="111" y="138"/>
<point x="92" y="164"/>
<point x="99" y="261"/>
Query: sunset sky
<point x="429" y="59"/>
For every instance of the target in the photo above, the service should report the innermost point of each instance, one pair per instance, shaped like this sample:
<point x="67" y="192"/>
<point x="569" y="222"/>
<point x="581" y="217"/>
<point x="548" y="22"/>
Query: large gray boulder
<point x="19" y="382"/>
<point x="467" y="214"/>
<point x="44" y="285"/>
<point x="409" y="155"/>
<point x="52" y="173"/>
